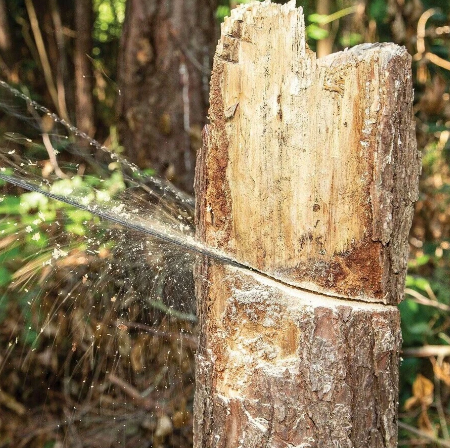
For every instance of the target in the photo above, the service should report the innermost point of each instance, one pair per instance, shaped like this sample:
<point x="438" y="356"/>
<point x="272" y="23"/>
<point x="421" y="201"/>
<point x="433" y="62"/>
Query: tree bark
<point x="308" y="175"/>
<point x="6" y="43"/>
<point x="164" y="64"/>
<point x="84" y="101"/>
<point x="5" y="33"/>
<point x="60" y="56"/>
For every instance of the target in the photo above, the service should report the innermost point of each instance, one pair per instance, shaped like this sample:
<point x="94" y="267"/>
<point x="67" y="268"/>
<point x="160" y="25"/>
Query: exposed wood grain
<point x="308" y="173"/>
<point x="311" y="164"/>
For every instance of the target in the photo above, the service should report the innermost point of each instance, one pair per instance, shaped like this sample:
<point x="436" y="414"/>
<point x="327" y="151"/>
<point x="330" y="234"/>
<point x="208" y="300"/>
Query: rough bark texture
<point x="281" y="367"/>
<point x="308" y="173"/>
<point x="84" y="102"/>
<point x="323" y="150"/>
<point x="167" y="46"/>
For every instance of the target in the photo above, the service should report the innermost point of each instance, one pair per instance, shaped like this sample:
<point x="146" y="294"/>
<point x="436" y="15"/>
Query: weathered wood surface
<point x="311" y="164"/>
<point x="279" y="367"/>
<point x="308" y="173"/>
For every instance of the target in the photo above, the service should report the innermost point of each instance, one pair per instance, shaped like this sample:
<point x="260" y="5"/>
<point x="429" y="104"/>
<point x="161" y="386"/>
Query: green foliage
<point x="30" y="226"/>
<point x="5" y="276"/>
<point x="316" y="33"/>
<point x="110" y="15"/>
<point x="377" y="10"/>
<point x="222" y="12"/>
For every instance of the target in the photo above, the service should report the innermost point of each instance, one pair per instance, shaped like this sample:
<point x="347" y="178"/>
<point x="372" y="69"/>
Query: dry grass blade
<point x="29" y="270"/>
<point x="426" y="351"/>
<point x="420" y="298"/>
<point x="424" y="435"/>
<point x="7" y="242"/>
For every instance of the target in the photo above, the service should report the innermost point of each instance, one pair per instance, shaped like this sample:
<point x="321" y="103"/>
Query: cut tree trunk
<point x="308" y="174"/>
<point x="164" y="66"/>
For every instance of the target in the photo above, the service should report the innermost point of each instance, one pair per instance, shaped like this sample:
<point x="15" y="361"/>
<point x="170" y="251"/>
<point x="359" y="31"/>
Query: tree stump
<point x="308" y="174"/>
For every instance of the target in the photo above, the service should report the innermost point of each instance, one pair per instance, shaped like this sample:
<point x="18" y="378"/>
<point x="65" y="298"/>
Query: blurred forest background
<point x="135" y="75"/>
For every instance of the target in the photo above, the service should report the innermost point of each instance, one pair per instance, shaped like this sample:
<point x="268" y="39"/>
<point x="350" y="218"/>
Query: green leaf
<point x="77" y="229"/>
<point x="222" y="12"/>
<point x="378" y="9"/>
<point x="409" y="281"/>
<point x="422" y="260"/>
<point x="411" y="315"/>
<point x="422" y="283"/>
<point x="5" y="171"/>
<point x="8" y="227"/>
<point x="5" y="276"/>
<point x="9" y="254"/>
<point x="413" y="307"/>
<point x="78" y="216"/>
<point x="421" y="328"/>
<point x="33" y="200"/>
<point x="318" y="18"/>
<point x="37" y="239"/>
<point x="144" y="173"/>
<point x="315" y="32"/>
<point x="10" y="205"/>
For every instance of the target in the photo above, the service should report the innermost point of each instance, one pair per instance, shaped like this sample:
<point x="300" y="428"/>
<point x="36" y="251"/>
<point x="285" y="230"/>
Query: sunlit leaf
<point x="10" y="205"/>
<point x="442" y="372"/>
<point x="318" y="18"/>
<point x="422" y="260"/>
<point x="411" y="403"/>
<point x="422" y="283"/>
<point x="315" y="32"/>
<point x="77" y="229"/>
<point x="423" y="390"/>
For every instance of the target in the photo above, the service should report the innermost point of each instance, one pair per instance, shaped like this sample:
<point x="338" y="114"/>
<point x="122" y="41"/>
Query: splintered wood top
<point x="309" y="167"/>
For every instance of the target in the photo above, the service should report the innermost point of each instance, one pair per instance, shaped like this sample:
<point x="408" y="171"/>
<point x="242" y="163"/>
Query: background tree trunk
<point x="324" y="46"/>
<point x="164" y="64"/>
<point x="6" y="43"/>
<point x="84" y="103"/>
